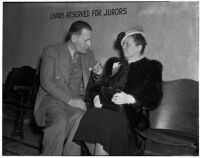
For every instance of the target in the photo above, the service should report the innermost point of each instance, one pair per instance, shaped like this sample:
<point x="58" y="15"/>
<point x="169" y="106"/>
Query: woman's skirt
<point x="106" y="127"/>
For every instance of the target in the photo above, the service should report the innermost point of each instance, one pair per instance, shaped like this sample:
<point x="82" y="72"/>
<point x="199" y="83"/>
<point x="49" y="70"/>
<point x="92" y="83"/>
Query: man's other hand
<point x="98" y="68"/>
<point x="78" y="103"/>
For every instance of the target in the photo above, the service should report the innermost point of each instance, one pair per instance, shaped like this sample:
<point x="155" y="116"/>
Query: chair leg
<point x="18" y="127"/>
<point x="197" y="149"/>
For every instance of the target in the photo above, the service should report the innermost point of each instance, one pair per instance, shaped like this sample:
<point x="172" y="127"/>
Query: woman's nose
<point x="123" y="47"/>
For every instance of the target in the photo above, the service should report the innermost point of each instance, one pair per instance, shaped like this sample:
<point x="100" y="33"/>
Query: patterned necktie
<point x="75" y="57"/>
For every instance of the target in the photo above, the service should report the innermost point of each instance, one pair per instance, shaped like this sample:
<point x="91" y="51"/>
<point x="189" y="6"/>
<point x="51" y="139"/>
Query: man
<point x="63" y="77"/>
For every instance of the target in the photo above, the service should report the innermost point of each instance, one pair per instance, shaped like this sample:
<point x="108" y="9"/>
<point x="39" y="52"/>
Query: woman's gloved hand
<point x="123" y="98"/>
<point x="97" y="103"/>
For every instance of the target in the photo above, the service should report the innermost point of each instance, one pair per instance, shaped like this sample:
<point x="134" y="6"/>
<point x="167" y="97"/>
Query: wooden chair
<point x="19" y="92"/>
<point x="174" y="124"/>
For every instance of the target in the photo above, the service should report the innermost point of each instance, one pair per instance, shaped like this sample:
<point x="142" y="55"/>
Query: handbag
<point x="106" y="94"/>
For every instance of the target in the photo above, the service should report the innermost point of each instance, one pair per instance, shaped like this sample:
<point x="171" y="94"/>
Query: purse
<point x="106" y="94"/>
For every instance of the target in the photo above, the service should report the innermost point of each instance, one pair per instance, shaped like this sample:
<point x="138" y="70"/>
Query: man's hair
<point x="77" y="27"/>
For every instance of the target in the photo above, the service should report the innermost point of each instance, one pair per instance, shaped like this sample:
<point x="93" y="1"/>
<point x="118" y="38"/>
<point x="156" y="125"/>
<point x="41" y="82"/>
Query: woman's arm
<point x="149" y="94"/>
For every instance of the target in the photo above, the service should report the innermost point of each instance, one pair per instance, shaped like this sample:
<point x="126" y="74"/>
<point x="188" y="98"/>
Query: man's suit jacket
<point x="54" y="75"/>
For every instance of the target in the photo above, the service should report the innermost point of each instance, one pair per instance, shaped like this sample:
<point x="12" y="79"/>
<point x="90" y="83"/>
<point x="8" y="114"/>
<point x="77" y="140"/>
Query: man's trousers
<point x="61" y="122"/>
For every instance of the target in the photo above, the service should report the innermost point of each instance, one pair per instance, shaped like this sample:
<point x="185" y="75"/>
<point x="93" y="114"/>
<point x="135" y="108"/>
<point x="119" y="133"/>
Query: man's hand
<point x="97" y="103"/>
<point x="97" y="69"/>
<point x="79" y="103"/>
<point x="123" y="98"/>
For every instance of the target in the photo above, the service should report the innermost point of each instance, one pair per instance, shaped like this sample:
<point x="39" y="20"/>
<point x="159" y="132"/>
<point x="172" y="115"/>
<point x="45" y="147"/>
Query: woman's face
<point x="130" y="49"/>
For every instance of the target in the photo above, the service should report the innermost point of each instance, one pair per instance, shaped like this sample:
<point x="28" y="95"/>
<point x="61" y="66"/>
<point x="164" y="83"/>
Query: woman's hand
<point x="97" y="103"/>
<point x="123" y="98"/>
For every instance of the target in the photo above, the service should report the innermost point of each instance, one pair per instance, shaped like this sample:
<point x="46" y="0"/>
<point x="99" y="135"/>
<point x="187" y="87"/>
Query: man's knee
<point x="57" y="120"/>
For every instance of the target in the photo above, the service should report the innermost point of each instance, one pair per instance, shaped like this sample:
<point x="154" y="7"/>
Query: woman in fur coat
<point x="119" y="100"/>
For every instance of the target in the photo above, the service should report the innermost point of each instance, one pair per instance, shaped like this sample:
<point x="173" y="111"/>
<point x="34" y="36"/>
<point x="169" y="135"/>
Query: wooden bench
<point x="174" y="124"/>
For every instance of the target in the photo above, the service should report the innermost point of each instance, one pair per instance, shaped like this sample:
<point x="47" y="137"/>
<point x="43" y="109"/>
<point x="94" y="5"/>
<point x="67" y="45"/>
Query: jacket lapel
<point x="64" y="59"/>
<point x="85" y="78"/>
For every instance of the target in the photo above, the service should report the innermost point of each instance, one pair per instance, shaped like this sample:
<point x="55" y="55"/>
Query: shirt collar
<point x="71" y="51"/>
<point x="132" y="61"/>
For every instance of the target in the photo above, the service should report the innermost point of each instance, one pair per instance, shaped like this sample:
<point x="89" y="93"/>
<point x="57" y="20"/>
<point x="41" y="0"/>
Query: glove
<point x="97" y="103"/>
<point x="123" y="98"/>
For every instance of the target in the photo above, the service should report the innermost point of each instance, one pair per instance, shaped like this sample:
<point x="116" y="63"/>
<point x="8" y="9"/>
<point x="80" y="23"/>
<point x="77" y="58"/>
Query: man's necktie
<point x="75" y="57"/>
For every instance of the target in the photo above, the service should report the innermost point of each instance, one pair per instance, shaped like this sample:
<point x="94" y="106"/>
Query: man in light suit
<point x="63" y="77"/>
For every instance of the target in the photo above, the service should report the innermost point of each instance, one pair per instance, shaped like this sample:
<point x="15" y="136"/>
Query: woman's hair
<point x="117" y="44"/>
<point x="77" y="27"/>
<point x="139" y="40"/>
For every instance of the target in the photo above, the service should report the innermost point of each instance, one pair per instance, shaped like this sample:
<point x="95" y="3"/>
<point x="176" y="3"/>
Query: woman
<point x="127" y="88"/>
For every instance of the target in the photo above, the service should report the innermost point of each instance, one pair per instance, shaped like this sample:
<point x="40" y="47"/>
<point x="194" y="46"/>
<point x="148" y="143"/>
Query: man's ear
<point x="73" y="38"/>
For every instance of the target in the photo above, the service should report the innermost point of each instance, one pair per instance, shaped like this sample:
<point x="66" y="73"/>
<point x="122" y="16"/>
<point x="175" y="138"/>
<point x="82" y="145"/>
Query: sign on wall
<point x="88" y="13"/>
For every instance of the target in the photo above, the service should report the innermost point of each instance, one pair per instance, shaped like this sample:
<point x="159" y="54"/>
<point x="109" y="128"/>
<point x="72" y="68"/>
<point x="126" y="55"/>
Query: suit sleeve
<point x="47" y="78"/>
<point x="150" y="94"/>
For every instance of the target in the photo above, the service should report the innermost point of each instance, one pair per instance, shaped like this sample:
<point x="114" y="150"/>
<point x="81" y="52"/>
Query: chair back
<point x="25" y="76"/>
<point x="179" y="107"/>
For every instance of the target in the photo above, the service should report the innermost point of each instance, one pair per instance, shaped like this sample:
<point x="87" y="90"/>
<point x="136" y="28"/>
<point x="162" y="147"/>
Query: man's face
<point x="82" y="42"/>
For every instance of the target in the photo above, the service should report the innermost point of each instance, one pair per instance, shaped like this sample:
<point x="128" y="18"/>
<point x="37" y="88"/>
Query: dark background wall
<point x="171" y="29"/>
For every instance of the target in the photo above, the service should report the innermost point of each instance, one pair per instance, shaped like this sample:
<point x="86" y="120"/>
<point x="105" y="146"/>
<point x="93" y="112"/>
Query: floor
<point x="29" y="146"/>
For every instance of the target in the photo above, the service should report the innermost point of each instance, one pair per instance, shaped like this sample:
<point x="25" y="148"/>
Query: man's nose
<point x="89" y="43"/>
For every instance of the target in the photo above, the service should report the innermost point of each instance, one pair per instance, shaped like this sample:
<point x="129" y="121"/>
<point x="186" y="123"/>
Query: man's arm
<point x="48" y="81"/>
